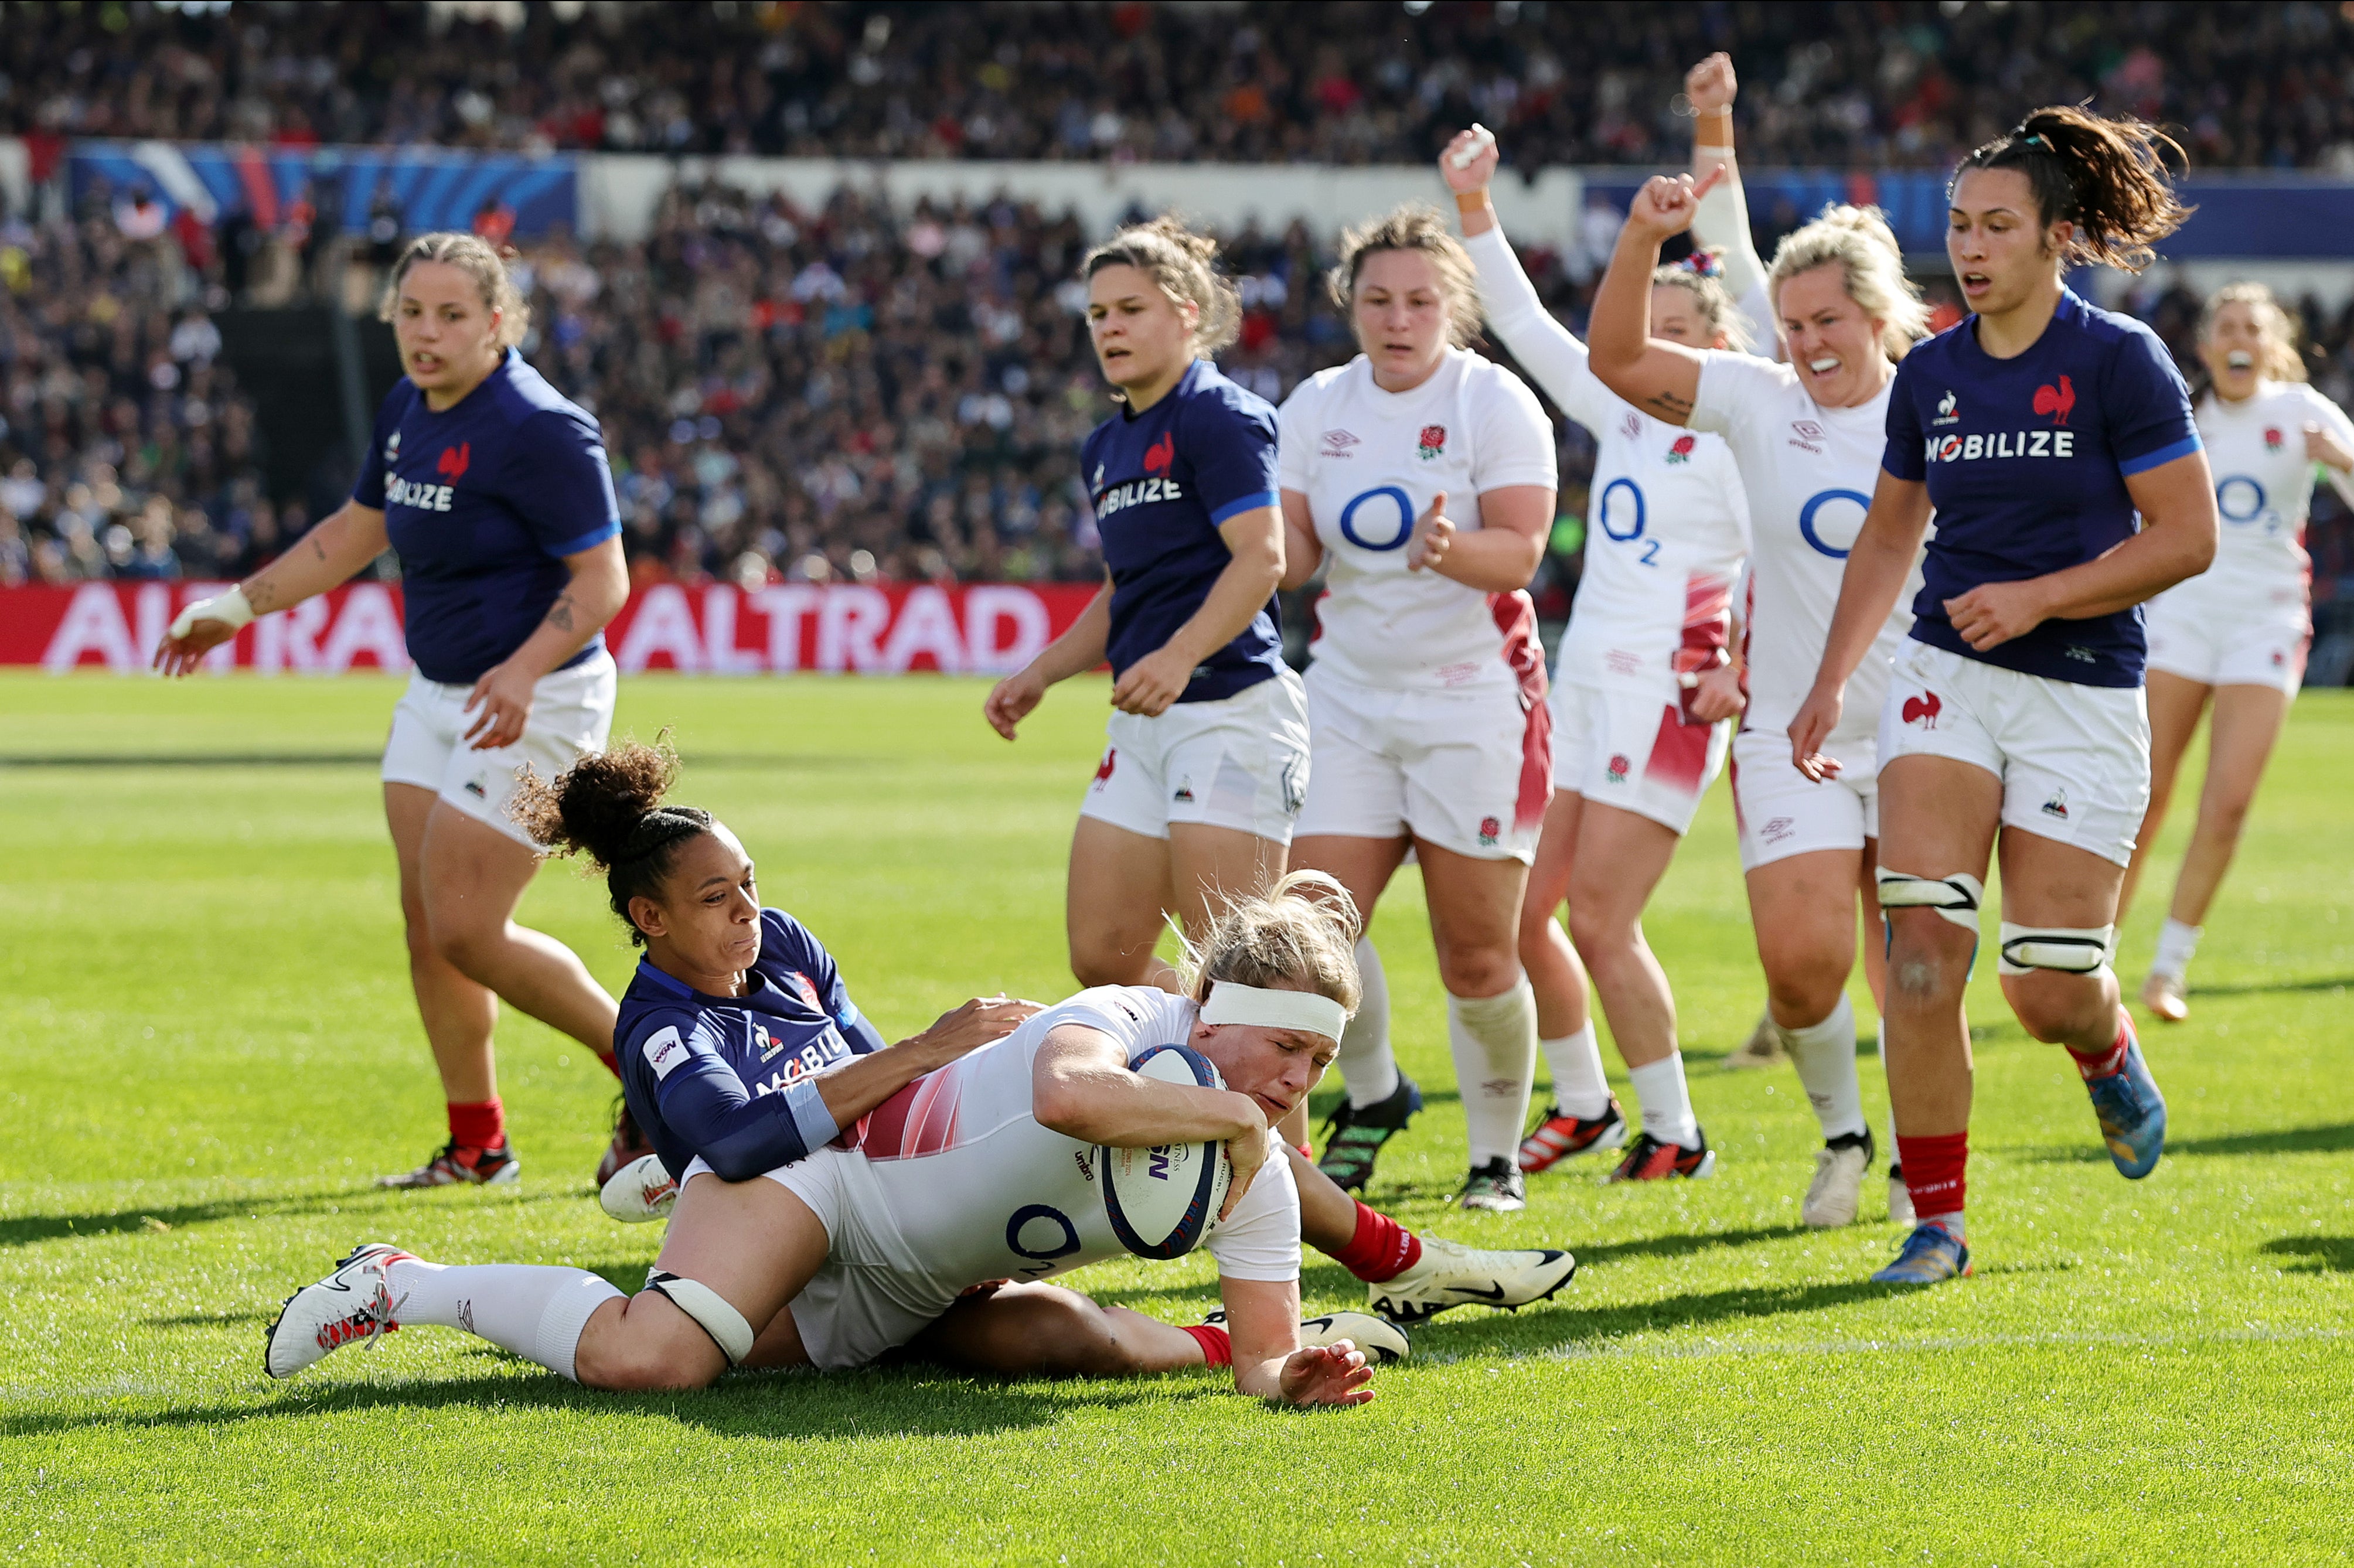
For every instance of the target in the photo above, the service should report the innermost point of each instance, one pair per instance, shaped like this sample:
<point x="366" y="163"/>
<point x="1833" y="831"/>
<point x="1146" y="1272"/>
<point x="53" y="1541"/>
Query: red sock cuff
<point x="478" y="1126"/>
<point x="1935" y="1172"/>
<point x="1382" y="1249"/>
<point x="1217" y="1348"/>
<point x="2105" y="1060"/>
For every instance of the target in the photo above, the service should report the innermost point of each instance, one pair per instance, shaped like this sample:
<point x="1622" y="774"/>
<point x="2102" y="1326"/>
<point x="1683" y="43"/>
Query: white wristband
<point x="229" y="609"/>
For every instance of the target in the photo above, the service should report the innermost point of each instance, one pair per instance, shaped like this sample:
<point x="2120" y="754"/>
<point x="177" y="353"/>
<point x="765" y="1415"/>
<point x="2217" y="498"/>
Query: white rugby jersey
<point x="1667" y="522"/>
<point x="1368" y="462"/>
<point x="978" y="1190"/>
<point x="1809" y="473"/>
<point x="2263" y="482"/>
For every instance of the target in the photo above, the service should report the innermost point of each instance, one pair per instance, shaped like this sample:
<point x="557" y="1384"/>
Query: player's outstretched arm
<point x="1877" y="566"/>
<point x="1660" y="378"/>
<point x="346" y="540"/>
<point x="1075" y="651"/>
<point x="1254" y="568"/>
<point x="1723" y="220"/>
<point x="1263" y="1323"/>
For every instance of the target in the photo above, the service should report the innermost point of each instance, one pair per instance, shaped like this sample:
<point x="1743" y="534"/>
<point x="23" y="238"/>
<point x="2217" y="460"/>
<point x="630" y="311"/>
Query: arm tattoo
<point x="1669" y="403"/>
<point x="559" y="614"/>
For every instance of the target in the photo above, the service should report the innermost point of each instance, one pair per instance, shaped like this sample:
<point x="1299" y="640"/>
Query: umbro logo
<point x="1336" y="443"/>
<point x="1808" y="436"/>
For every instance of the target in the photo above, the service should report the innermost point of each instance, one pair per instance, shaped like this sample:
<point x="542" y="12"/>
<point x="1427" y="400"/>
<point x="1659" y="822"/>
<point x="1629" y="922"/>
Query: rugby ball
<point x="1161" y="1200"/>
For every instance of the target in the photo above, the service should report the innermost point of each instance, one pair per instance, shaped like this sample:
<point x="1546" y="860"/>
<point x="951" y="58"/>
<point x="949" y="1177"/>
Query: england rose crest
<point x="1433" y="442"/>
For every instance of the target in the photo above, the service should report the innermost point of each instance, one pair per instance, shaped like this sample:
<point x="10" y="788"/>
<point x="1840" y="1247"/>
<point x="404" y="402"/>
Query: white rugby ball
<point x="1162" y="1199"/>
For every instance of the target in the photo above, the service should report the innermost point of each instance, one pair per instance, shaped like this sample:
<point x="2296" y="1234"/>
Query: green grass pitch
<point x="211" y="1049"/>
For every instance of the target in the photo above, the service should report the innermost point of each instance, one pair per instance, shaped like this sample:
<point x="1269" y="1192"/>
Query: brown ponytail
<point x="2108" y="177"/>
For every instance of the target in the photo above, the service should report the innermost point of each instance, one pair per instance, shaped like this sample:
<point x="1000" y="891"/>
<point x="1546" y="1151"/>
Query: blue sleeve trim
<point x="1248" y="504"/>
<point x="816" y="1124"/>
<point x="2181" y="449"/>
<point x="597" y="536"/>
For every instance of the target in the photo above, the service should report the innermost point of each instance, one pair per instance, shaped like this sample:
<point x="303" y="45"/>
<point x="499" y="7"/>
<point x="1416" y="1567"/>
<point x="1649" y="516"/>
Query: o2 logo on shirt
<point x="1813" y="508"/>
<point x="1405" y="519"/>
<point x="1607" y="515"/>
<point x="2238" y="498"/>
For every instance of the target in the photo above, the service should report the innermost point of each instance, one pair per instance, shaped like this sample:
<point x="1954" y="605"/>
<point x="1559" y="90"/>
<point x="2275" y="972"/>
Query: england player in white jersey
<point x="1643" y="692"/>
<point x="1808" y="436"/>
<point x="1424" y="474"/>
<point x="2237" y="632"/>
<point x="977" y="1175"/>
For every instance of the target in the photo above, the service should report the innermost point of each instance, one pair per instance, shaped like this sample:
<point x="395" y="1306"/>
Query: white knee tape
<point x="2075" y="950"/>
<point x="1954" y="897"/>
<point x="726" y="1325"/>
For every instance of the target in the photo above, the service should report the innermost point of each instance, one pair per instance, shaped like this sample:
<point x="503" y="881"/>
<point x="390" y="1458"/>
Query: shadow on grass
<point x="2336" y="1139"/>
<point x="257" y="1316"/>
<point x="2278" y="987"/>
<point x="22" y="1229"/>
<point x="1563" y="1326"/>
<point x="2324" y="1255"/>
<point x="916" y="1402"/>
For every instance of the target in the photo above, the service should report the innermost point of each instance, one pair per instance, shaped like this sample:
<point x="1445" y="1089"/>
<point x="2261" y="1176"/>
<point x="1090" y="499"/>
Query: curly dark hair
<point x="608" y="807"/>
<point x="2109" y="177"/>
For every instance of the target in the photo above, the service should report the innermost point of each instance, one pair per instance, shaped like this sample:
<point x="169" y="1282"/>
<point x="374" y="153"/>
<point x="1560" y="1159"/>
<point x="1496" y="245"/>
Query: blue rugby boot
<point x="2132" y="1112"/>
<point x="1931" y="1254"/>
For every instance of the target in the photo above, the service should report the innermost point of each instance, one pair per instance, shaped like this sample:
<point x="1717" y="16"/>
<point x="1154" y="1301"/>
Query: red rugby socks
<point x="481" y="1126"/>
<point x="1217" y="1348"/>
<point x="1936" y="1174"/>
<point x="1382" y="1249"/>
<point x="2105" y="1060"/>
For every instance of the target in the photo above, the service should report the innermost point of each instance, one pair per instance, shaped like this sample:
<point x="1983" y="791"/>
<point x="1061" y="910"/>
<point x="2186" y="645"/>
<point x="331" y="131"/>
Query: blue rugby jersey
<point x="483" y="500"/>
<point x="732" y="1077"/>
<point x="2027" y="460"/>
<point x="1161" y="482"/>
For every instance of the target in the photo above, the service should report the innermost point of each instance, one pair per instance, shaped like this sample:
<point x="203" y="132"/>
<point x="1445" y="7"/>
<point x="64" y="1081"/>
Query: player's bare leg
<point x="1119" y="885"/>
<point x="1802" y="909"/>
<point x="474" y="877"/>
<point x="1381" y="1099"/>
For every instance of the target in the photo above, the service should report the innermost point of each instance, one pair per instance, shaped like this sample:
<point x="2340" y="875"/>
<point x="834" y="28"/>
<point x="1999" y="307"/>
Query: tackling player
<point x="1643" y="692"/>
<point x="1207" y="758"/>
<point x="1425" y="474"/>
<point x="2040" y="429"/>
<point x="976" y="1174"/>
<point x="2238" y="632"/>
<point x="496" y="493"/>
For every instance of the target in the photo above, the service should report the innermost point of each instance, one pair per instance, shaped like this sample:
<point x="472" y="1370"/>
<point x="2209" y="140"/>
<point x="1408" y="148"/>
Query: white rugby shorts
<point x="1238" y="762"/>
<point x="2074" y="759"/>
<point x="1469" y="772"/>
<point x="571" y="713"/>
<point x="870" y="1297"/>
<point x="1781" y="813"/>
<point x="1633" y="751"/>
<point x="2208" y="633"/>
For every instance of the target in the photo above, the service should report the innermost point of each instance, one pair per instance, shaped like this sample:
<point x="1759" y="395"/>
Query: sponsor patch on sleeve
<point x="666" y="1051"/>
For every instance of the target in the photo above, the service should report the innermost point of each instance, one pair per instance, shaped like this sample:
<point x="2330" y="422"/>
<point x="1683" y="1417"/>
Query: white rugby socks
<point x="1494" y="1041"/>
<point x="1579" y="1088"/>
<point x="1366" y="1066"/>
<point x="536" y="1312"/>
<point x="1824" y="1054"/>
<point x="2176" y="943"/>
<point x="1667" y="1101"/>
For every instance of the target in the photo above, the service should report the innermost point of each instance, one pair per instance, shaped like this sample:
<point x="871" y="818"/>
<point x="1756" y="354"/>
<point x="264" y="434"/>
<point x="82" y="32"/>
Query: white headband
<point x="1303" y="1010"/>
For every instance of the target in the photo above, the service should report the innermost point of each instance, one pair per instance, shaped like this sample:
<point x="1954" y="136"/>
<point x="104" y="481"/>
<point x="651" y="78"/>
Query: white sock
<point x="1366" y="1066"/>
<point x="1494" y="1041"/>
<point x="536" y="1312"/>
<point x="1824" y="1054"/>
<point x="2176" y="943"/>
<point x="1579" y="1088"/>
<point x="1667" y="1103"/>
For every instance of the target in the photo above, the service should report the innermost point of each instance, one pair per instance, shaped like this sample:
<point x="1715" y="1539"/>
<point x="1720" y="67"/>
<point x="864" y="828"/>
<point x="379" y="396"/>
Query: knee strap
<point x="726" y="1325"/>
<point x="2075" y="950"/>
<point x="1954" y="897"/>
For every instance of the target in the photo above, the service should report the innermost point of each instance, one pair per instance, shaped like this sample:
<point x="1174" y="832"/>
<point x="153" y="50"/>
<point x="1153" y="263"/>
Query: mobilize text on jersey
<point x="2001" y="444"/>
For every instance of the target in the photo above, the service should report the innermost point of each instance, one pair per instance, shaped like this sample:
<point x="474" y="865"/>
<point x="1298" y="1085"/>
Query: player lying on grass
<point x="735" y="1078"/>
<point x="978" y="1174"/>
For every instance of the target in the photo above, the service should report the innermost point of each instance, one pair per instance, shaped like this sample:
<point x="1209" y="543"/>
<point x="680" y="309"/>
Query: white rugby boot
<point x="1450" y="1275"/>
<point x="1378" y="1340"/>
<point x="1836" y="1194"/>
<point x="639" y="1192"/>
<point x="351" y="1306"/>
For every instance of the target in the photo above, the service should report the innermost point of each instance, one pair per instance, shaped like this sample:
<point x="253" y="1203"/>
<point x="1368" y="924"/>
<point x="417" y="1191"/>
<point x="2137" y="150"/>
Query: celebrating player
<point x="496" y="493"/>
<point x="1643" y="692"/>
<point x="1426" y="700"/>
<point x="2039" y="427"/>
<point x="977" y="1173"/>
<point x="1805" y="434"/>
<point x="2237" y="632"/>
<point x="1208" y="756"/>
<point x="732" y="1075"/>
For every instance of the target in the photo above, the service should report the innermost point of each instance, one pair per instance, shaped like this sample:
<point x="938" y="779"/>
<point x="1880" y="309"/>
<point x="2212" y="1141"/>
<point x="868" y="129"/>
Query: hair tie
<point x="2032" y="139"/>
<point x="1706" y="263"/>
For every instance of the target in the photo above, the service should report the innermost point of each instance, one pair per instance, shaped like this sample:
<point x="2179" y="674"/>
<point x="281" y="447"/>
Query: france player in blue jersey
<point x="1208" y="756"/>
<point x="2055" y="442"/>
<point x="496" y="493"/>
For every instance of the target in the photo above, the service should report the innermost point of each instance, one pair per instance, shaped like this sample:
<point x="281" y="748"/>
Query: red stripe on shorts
<point x="1679" y="752"/>
<point x="1516" y="617"/>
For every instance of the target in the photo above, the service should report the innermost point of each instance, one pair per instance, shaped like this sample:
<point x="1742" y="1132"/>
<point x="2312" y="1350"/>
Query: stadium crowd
<point x="2256" y="85"/>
